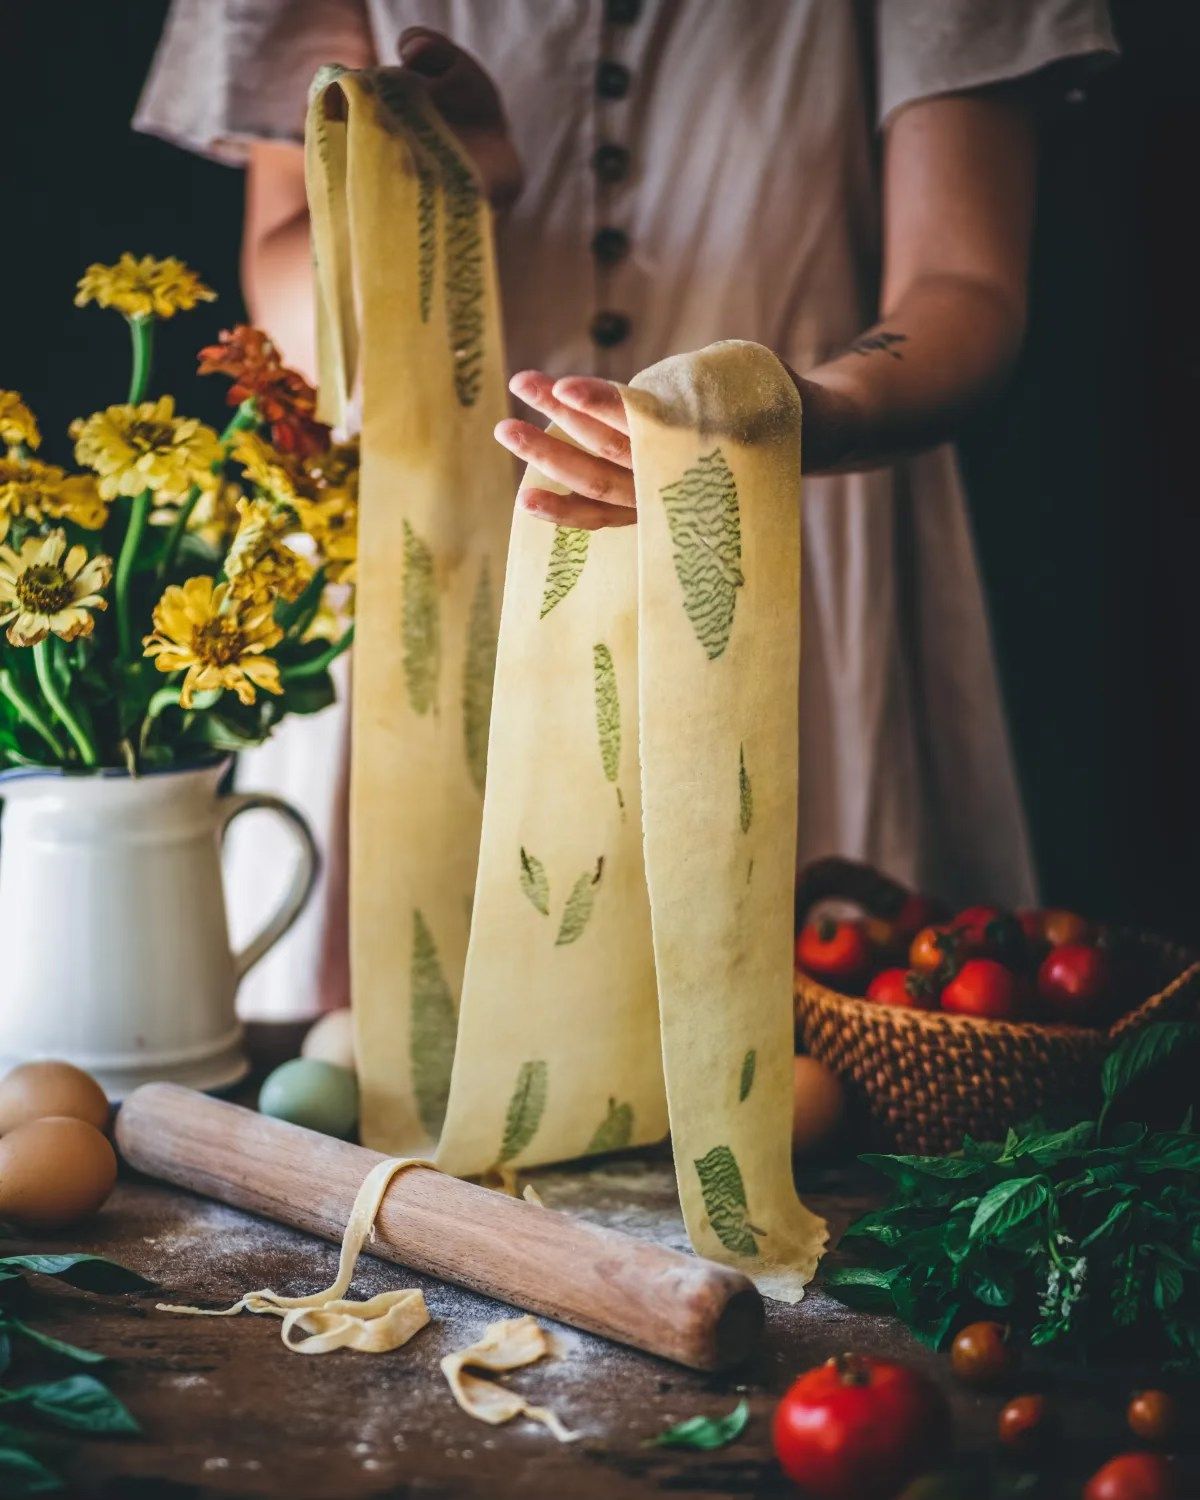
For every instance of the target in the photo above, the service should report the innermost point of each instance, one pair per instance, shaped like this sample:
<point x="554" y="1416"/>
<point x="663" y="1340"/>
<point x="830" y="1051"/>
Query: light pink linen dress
<point x="733" y="145"/>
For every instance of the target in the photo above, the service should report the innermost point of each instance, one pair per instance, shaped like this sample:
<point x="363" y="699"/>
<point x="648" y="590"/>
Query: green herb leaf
<point x="79" y="1402"/>
<point x="945" y="1168"/>
<point x="94" y="1273"/>
<point x="1138" y="1053"/>
<point x="864" y="1287"/>
<point x="706" y="1433"/>
<point x="23" y="1474"/>
<point x="1007" y="1204"/>
<point x="60" y="1346"/>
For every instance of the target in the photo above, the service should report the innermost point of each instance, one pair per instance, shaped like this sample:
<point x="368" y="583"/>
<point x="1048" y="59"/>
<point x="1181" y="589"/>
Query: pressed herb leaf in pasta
<point x="746" y="1082"/>
<point x="568" y="553"/>
<point x="702" y="513"/>
<point x="579" y="906"/>
<point x="524" y="1110"/>
<point x="422" y="637"/>
<point x="535" y="882"/>
<point x="479" y="671"/>
<point x="745" y="795"/>
<point x="608" y="710"/>
<point x="615" y="1131"/>
<point x="434" y="1029"/>
<point x="725" y="1200"/>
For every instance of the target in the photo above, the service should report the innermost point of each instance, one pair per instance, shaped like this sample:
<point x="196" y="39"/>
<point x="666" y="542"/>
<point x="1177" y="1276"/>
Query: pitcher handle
<point x="232" y="805"/>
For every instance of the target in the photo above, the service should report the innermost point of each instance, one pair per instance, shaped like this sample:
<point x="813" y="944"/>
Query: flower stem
<point x="129" y="549"/>
<point x="141" y="334"/>
<point x="45" y="677"/>
<point x="318" y="664"/>
<point x="29" y="714"/>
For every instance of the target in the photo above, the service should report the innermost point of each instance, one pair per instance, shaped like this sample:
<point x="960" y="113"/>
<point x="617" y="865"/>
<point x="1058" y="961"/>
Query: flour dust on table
<point x="594" y="945"/>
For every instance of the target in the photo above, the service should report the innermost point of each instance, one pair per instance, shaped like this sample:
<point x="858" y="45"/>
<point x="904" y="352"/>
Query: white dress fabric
<point x="749" y="196"/>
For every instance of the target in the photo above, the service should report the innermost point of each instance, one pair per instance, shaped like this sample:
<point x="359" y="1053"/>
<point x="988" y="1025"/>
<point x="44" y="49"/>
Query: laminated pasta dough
<point x="595" y="944"/>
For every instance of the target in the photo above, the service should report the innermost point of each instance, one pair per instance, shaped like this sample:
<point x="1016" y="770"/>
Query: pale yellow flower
<point x="147" y="447"/>
<point x="260" y="564"/>
<point x="277" y="475"/>
<point x="143" y="288"/>
<point x="323" y="492"/>
<point x="34" y="491"/>
<point x="17" y="423"/>
<point x="214" y="517"/>
<point x="42" y="592"/>
<point x="332" y="522"/>
<point x="218" y="640"/>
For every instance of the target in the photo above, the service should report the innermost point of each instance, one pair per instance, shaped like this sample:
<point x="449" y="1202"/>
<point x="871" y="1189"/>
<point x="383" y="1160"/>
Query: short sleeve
<point x="928" y="47"/>
<point x="231" y="72"/>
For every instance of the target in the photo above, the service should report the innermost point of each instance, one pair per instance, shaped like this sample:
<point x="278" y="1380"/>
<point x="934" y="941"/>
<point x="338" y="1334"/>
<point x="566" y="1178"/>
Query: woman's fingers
<point x="594" y="398"/>
<point x="600" y="437"/>
<point x="590" y="477"/>
<point x="573" y="510"/>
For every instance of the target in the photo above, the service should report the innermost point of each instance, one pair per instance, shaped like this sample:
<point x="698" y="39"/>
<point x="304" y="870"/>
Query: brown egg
<point x="818" y="1104"/>
<point x="37" y="1089"/>
<point x="54" y="1172"/>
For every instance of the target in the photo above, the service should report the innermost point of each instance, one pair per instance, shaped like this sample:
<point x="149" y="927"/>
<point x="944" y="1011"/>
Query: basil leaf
<point x="5" y="1350"/>
<point x="1168" y="1285"/>
<point x="1007" y="1204"/>
<point x="60" y="1346"/>
<point x="1171" y="1152"/>
<point x="706" y="1432"/>
<point x="23" y="1474"/>
<point x="992" y="1288"/>
<point x="864" y="1287"/>
<point x="1115" y="1216"/>
<point x="1049" y="1147"/>
<point x="946" y="1168"/>
<point x="79" y="1402"/>
<point x="94" y="1273"/>
<point x="1140" y="1052"/>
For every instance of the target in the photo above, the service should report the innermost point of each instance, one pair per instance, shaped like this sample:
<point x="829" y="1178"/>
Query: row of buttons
<point x="611" y="165"/>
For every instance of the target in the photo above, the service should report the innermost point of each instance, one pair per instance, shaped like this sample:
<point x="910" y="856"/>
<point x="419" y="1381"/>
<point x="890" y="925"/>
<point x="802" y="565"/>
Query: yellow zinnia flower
<point x="17" y="423"/>
<point x="276" y="474"/>
<point x="215" y="516"/>
<point x="143" y="288"/>
<point x="147" y="447"/>
<point x="332" y="522"/>
<point x="41" y="592"/>
<point x="219" y="640"/>
<point x="34" y="491"/>
<point x="260" y="564"/>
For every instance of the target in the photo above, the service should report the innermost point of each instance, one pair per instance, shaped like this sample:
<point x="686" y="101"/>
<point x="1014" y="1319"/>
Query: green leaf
<point x="60" y="1346"/>
<point x="885" y="1226"/>
<point x="724" y="1195"/>
<point x="79" y="1402"/>
<point x="615" y="1131"/>
<point x="93" y="1273"/>
<point x="479" y="673"/>
<point x="1170" y="1151"/>
<point x="525" y="1110"/>
<point x="746" y="1082"/>
<point x="1007" y="1204"/>
<point x="745" y="795"/>
<point x="1111" y="1221"/>
<point x="1048" y="1147"/>
<point x="943" y="1168"/>
<point x="23" y="1474"/>
<point x="309" y="695"/>
<point x="608" y="710"/>
<point x="534" y="881"/>
<point x="434" y="1029"/>
<point x="579" y="906"/>
<point x="1144" y="1050"/>
<point x="1168" y="1285"/>
<point x="706" y="1433"/>
<point x="422" y="634"/>
<point x="992" y="1288"/>
<point x="706" y="535"/>
<point x="868" y="1288"/>
<point x="568" y="553"/>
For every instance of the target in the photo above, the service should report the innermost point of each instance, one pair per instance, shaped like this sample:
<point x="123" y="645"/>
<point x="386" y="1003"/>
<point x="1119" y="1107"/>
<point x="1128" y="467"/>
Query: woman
<point x="849" y="184"/>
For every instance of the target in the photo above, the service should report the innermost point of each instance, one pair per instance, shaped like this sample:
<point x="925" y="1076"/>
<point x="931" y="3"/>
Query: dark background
<point x="1081" y="478"/>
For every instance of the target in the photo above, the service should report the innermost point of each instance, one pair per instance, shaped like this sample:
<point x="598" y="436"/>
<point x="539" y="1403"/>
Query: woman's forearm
<point x="906" y="383"/>
<point x="277" y="279"/>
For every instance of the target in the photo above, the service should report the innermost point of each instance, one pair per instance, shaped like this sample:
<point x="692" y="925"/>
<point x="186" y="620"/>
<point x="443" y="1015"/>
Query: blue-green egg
<point x="318" y="1095"/>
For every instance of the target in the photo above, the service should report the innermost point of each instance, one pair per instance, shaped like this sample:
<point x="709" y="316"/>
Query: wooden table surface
<point x="226" y="1410"/>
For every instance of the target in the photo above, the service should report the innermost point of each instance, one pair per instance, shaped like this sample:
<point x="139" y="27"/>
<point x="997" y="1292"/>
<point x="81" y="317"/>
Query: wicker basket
<point x="918" y="1080"/>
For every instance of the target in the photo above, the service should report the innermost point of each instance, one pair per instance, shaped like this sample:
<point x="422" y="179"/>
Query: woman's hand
<point x="599" y="471"/>
<point x="469" y="102"/>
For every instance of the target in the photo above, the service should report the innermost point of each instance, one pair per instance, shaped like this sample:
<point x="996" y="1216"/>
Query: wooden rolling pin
<point x="678" y="1306"/>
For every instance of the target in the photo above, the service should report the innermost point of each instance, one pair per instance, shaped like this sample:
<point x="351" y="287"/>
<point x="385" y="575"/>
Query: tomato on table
<point x="983" y="988"/>
<point x="831" y="949"/>
<point x="982" y="1355"/>
<point x="1133" y="1476"/>
<point x="1073" y="982"/>
<point x="858" y="1428"/>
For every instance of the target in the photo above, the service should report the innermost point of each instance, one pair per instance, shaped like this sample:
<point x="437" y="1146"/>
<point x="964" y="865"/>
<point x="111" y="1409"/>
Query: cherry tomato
<point x="1032" y="928"/>
<point x="893" y="934"/>
<point x="975" y="920"/>
<point x="1061" y="927"/>
<point x="858" y="1428"/>
<point x="1133" y="1476"/>
<point x="1153" y="1416"/>
<point x="981" y="1354"/>
<point x="832" y="950"/>
<point x="983" y="987"/>
<point x="931" y="948"/>
<point x="900" y="987"/>
<point x="1073" y="982"/>
<point x="1026" y="1425"/>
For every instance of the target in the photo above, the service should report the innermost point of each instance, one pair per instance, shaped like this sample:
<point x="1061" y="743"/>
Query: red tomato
<point x="1073" y="981"/>
<point x="931" y="948"/>
<point x="974" y="920"/>
<point x="982" y="987"/>
<point x="1060" y="927"/>
<point x="900" y="987"/>
<point x="858" y="1428"/>
<point x="1133" y="1476"/>
<point x="1030" y="922"/>
<point x="832" y="950"/>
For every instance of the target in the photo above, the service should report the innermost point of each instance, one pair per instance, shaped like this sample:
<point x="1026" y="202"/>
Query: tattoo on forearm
<point x="882" y="342"/>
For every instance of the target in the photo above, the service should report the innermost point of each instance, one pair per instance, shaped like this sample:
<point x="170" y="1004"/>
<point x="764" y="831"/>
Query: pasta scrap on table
<point x="508" y="1344"/>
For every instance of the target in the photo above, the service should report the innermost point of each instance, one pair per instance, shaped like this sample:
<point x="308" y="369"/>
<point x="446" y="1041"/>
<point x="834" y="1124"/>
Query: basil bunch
<point x="73" y="1402"/>
<point x="1073" y="1236"/>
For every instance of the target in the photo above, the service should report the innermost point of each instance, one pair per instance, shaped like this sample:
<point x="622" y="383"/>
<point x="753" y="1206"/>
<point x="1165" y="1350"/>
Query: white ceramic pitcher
<point x="114" y="948"/>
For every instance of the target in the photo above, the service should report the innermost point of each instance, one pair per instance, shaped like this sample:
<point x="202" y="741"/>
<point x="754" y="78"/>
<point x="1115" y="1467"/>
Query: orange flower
<point x="283" y="397"/>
